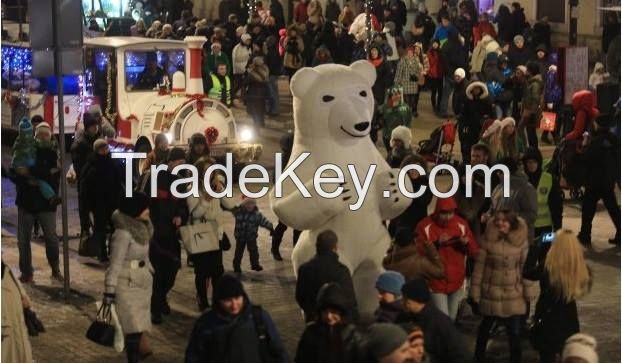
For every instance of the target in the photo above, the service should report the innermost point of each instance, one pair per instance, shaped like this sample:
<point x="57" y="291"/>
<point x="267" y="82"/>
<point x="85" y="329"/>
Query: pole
<point x="368" y="25"/>
<point x="572" y="31"/>
<point x="58" y="73"/>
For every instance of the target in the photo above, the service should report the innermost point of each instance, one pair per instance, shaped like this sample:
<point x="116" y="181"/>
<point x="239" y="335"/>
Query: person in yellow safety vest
<point x="218" y="85"/>
<point x="549" y="194"/>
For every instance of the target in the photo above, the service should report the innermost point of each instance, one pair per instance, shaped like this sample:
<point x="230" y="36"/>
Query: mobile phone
<point x="548" y="237"/>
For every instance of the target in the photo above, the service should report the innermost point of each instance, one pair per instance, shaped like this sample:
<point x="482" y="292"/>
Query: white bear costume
<point x="333" y="109"/>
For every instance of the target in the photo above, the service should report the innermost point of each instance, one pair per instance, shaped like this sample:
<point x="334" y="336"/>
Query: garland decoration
<point x="211" y="134"/>
<point x="112" y="117"/>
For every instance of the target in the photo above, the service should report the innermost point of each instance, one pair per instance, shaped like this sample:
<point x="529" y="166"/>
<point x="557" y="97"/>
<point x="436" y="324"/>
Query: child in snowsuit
<point x="395" y="112"/>
<point x="248" y="219"/>
<point x="25" y="156"/>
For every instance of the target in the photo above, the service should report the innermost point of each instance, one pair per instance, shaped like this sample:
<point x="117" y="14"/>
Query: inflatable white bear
<point x="333" y="109"/>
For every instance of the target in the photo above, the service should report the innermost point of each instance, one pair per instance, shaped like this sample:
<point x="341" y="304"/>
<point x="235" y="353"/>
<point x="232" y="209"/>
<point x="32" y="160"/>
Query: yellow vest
<point x="544" y="189"/>
<point x="216" y="91"/>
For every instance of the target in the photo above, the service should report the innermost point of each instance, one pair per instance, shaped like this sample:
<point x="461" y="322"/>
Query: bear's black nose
<point x="361" y="126"/>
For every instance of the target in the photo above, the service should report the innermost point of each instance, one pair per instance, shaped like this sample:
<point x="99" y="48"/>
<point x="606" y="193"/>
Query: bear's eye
<point x="363" y="94"/>
<point x="327" y="98"/>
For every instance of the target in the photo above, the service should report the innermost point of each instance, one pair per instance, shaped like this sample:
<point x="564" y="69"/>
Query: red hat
<point x="446" y="205"/>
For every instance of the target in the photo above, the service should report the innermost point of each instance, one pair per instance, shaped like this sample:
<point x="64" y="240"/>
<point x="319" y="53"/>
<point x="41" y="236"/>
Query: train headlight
<point x="246" y="135"/>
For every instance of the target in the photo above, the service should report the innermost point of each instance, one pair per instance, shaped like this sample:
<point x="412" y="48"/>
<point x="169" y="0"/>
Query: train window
<point x="145" y="70"/>
<point x="17" y="74"/>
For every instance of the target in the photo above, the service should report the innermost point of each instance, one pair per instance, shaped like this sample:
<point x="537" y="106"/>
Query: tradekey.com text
<point x="324" y="176"/>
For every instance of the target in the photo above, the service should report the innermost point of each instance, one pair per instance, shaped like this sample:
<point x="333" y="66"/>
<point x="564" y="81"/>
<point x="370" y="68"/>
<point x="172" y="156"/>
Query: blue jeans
<point x="25" y="221"/>
<point x="273" y="95"/>
<point x="448" y="85"/>
<point x="448" y="303"/>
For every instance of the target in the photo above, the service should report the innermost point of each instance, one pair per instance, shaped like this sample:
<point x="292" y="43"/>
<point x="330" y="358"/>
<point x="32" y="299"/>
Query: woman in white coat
<point x="129" y="279"/>
<point x="208" y="266"/>
<point x="15" y="341"/>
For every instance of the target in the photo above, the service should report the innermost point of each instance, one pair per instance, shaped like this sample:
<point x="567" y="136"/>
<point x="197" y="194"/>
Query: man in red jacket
<point x="454" y="240"/>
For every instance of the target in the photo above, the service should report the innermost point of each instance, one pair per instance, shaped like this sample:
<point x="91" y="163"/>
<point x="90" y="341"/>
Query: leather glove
<point x="109" y="298"/>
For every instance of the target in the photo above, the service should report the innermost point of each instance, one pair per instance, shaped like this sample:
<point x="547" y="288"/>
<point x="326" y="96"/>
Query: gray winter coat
<point x="522" y="200"/>
<point x="129" y="275"/>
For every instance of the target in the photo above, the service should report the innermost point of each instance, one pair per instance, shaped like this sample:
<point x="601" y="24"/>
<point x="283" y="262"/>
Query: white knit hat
<point x="460" y="73"/>
<point x="403" y="134"/>
<point x="507" y="122"/>
<point x="581" y="346"/>
<point x="522" y="68"/>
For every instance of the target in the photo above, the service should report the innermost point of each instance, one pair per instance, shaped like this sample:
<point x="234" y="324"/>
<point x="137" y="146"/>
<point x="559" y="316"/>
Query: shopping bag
<point x="102" y="331"/>
<point x="198" y="238"/>
<point x="548" y="121"/>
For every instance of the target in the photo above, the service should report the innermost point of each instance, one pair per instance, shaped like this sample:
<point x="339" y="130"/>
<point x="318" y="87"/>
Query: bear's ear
<point x="365" y="70"/>
<point x="302" y="81"/>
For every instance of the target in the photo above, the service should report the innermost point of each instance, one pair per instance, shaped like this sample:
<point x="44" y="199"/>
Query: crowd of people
<point x="485" y="253"/>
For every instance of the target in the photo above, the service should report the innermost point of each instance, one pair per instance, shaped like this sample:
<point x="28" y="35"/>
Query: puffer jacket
<point x="129" y="273"/>
<point x="407" y="261"/>
<point x="584" y="108"/>
<point x="247" y="223"/>
<point x="479" y="54"/>
<point x="452" y="252"/>
<point x="497" y="283"/>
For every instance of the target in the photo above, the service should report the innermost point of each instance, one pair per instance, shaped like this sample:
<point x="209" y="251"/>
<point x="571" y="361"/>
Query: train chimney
<point x="194" y="79"/>
<point x="179" y="83"/>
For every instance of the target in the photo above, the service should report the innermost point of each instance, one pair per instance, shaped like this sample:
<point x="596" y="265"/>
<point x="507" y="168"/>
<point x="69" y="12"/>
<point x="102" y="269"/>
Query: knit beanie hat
<point x="519" y="38"/>
<point x="416" y="290"/>
<point x="175" y="154"/>
<point x="391" y="281"/>
<point x="459" y="72"/>
<point x="98" y="144"/>
<point x="581" y="346"/>
<point x="383" y="339"/>
<point x="134" y="205"/>
<point x="403" y="134"/>
<point x="522" y="68"/>
<point x="43" y="128"/>
<point x="25" y="127"/>
<point x="229" y="286"/>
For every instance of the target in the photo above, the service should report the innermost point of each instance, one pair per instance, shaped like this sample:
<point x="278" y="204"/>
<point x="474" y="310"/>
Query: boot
<point x="277" y="255"/>
<point x="132" y="343"/>
<point x="56" y="275"/>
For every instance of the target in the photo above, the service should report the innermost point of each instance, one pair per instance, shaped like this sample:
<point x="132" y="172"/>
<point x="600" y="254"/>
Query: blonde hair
<point x="566" y="267"/>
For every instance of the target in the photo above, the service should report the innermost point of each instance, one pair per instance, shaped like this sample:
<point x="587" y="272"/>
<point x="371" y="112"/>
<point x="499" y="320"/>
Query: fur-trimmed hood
<point x="141" y="231"/>
<point x="516" y="237"/>
<point x="479" y="84"/>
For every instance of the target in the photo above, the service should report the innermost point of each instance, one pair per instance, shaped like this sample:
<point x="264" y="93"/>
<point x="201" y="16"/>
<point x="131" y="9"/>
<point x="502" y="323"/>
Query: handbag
<point x="34" y="325"/>
<point x="225" y="243"/>
<point x="102" y="331"/>
<point x="548" y="121"/>
<point x="199" y="237"/>
<point x="537" y="331"/>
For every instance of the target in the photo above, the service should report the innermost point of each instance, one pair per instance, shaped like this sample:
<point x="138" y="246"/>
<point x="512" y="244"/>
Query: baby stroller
<point x="438" y="149"/>
<point x="566" y="164"/>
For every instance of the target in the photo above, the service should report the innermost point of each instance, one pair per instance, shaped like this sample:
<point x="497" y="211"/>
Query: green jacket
<point x="397" y="115"/>
<point x="532" y="98"/>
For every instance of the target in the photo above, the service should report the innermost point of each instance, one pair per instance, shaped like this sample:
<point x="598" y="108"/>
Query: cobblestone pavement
<point x="67" y="320"/>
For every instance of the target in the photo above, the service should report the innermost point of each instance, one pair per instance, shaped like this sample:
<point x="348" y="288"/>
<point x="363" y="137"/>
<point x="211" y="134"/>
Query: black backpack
<point x="265" y="349"/>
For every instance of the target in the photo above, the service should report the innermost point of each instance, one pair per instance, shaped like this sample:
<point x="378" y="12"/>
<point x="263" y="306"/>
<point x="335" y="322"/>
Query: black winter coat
<point x="519" y="57"/>
<point x="560" y="319"/>
<point x="332" y="11"/>
<point x="163" y="208"/>
<point x="388" y="313"/>
<point x="476" y="111"/>
<point x="458" y="101"/>
<point x="443" y="342"/>
<point x="453" y="56"/>
<point x="384" y="79"/>
<point x="101" y="183"/>
<point x="418" y="208"/>
<point x="81" y="150"/>
<point x="321" y="344"/>
<point x="274" y="61"/>
<point x="29" y="195"/>
<point x="602" y="158"/>
<point x="320" y="270"/>
<point x="276" y="10"/>
<point x="221" y="338"/>
<point x="518" y="22"/>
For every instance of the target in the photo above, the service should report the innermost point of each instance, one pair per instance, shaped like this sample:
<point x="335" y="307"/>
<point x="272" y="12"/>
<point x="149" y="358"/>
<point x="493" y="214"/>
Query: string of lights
<point x="369" y="5"/>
